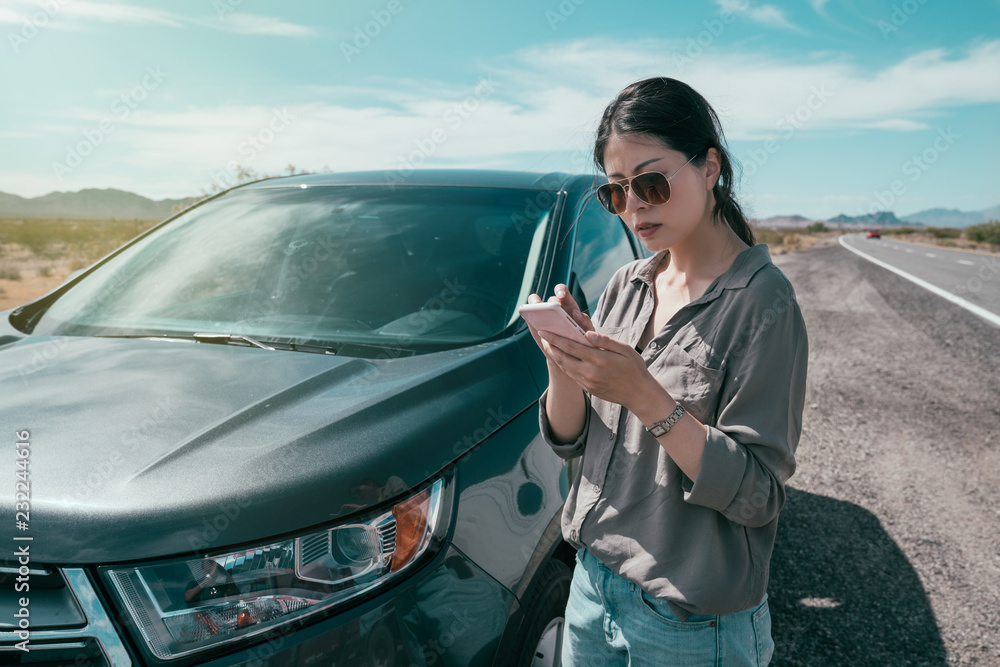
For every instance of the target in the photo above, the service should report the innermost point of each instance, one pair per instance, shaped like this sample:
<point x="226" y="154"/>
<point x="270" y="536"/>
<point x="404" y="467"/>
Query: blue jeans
<point x="612" y="621"/>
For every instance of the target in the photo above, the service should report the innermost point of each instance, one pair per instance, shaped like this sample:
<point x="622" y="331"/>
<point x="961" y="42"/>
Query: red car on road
<point x="874" y="234"/>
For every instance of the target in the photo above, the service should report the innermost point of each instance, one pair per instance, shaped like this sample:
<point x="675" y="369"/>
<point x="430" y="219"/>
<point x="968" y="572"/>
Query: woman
<point x="687" y="411"/>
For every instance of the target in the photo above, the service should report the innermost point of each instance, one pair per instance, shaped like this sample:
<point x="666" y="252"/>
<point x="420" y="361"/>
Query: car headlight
<point x="183" y="606"/>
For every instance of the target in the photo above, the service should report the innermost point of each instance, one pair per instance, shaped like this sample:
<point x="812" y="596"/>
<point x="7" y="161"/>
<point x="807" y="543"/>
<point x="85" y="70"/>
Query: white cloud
<point x="542" y="111"/>
<point x="8" y="15"/>
<point x="900" y="124"/>
<point x="768" y="15"/>
<point x="83" y="12"/>
<point x="253" y="24"/>
<point x="119" y="13"/>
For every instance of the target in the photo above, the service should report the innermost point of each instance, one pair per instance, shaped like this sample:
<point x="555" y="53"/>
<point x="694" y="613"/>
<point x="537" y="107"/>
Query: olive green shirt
<point x="735" y="358"/>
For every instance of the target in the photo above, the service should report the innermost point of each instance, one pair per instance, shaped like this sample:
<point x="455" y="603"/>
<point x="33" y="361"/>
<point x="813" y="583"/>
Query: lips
<point x="646" y="228"/>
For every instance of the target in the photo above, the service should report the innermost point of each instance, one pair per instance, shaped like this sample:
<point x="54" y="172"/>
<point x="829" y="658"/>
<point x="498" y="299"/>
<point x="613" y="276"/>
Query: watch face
<point x="657" y="430"/>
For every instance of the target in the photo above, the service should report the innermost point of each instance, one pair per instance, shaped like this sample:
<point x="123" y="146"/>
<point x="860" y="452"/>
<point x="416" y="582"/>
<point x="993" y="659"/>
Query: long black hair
<point x="675" y="114"/>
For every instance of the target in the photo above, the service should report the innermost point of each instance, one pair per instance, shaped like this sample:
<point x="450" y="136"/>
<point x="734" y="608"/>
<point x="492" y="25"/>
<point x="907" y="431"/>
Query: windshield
<point x="410" y="266"/>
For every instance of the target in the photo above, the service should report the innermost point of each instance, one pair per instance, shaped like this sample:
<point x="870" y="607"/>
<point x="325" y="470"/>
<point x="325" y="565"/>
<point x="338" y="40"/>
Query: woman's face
<point x="691" y="200"/>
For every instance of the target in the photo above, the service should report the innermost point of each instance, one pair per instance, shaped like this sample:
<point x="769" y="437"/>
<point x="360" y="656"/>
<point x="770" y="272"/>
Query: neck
<point x="705" y="254"/>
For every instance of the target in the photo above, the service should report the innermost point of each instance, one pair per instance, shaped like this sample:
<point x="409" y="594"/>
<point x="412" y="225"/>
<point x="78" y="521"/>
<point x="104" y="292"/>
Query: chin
<point x="657" y="244"/>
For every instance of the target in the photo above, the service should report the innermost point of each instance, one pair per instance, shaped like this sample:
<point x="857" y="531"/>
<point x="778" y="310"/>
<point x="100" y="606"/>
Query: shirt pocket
<point x="689" y="382"/>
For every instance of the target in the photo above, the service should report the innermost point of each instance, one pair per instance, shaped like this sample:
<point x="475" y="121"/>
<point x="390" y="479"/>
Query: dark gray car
<point x="297" y="424"/>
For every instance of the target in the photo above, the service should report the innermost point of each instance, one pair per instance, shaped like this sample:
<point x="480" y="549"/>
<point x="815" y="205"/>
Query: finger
<point x="608" y="343"/>
<point x="566" y="361"/>
<point x="583" y="319"/>
<point x="566" y="299"/>
<point x="567" y="345"/>
<point x="534" y="298"/>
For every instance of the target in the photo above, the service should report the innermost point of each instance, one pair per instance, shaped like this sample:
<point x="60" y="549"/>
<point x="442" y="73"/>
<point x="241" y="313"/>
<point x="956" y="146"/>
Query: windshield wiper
<point x="240" y="340"/>
<point x="244" y="341"/>
<point x="228" y="339"/>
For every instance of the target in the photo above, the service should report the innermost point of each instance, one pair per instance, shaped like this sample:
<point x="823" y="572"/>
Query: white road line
<point x="966" y="262"/>
<point x="993" y="318"/>
<point x="909" y="250"/>
<point x="930" y="254"/>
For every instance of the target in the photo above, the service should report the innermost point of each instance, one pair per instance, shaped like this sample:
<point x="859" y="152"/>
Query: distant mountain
<point x="879" y="219"/>
<point x="952" y="217"/>
<point x="784" y="222"/>
<point x="91" y="204"/>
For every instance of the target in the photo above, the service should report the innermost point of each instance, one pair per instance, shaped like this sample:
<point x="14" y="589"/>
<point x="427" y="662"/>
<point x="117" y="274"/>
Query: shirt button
<point x="611" y="436"/>
<point x="572" y="535"/>
<point x="652" y="345"/>
<point x="597" y="488"/>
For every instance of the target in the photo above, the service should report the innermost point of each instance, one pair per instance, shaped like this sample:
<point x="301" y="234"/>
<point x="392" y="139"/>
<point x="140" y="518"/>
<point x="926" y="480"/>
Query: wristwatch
<point x="661" y="427"/>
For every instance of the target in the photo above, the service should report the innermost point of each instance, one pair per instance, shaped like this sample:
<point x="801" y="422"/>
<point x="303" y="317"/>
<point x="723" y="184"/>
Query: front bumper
<point x="449" y="612"/>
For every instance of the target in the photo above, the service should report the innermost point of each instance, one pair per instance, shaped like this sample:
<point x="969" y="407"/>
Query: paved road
<point x="974" y="277"/>
<point x="888" y="548"/>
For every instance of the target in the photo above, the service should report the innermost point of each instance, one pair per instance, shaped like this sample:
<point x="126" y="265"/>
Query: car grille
<point x="69" y="626"/>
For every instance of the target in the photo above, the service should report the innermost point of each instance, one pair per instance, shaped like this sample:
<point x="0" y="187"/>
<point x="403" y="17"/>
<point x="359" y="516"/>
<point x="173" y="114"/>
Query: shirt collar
<point x="737" y="276"/>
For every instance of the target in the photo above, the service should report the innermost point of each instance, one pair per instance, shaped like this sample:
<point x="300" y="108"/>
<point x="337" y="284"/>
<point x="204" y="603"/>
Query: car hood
<point x="144" y="448"/>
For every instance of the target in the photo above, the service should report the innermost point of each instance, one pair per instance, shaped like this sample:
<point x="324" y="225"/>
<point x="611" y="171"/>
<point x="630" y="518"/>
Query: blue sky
<point x="832" y="106"/>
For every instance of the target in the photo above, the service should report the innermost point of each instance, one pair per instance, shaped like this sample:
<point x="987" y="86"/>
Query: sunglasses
<point x="651" y="187"/>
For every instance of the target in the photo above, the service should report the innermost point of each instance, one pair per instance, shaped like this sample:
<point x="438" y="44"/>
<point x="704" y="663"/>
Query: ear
<point x="713" y="168"/>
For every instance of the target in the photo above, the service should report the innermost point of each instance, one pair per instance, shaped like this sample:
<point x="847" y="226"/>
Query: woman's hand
<point x="612" y="370"/>
<point x="568" y="303"/>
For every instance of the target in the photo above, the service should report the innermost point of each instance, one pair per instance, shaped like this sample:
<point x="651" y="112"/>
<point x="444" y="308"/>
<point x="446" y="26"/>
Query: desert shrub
<point x="987" y="232"/>
<point x="899" y="231"/>
<point x="89" y="239"/>
<point x="944" y="232"/>
<point x="770" y="236"/>
<point x="816" y="228"/>
<point x="8" y="273"/>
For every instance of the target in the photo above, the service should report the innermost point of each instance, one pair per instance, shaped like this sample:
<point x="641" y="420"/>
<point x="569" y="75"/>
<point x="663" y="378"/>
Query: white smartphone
<point x="547" y="316"/>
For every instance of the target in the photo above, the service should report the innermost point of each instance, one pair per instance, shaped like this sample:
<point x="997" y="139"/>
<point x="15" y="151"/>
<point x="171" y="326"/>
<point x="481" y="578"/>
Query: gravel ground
<point x="888" y="550"/>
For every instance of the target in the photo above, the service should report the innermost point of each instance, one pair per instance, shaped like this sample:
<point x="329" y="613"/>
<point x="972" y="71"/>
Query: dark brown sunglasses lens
<point x="612" y="197"/>
<point x="652" y="188"/>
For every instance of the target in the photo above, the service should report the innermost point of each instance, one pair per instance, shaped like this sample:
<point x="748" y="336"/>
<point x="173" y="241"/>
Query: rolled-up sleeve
<point x="568" y="450"/>
<point x="750" y="452"/>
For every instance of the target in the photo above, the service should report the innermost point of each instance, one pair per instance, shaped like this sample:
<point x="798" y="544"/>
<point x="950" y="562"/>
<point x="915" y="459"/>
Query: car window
<point x="371" y="265"/>
<point x="602" y="247"/>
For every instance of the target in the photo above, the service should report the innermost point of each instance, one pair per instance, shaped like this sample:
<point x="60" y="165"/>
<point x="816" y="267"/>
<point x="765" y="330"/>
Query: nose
<point x="632" y="202"/>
